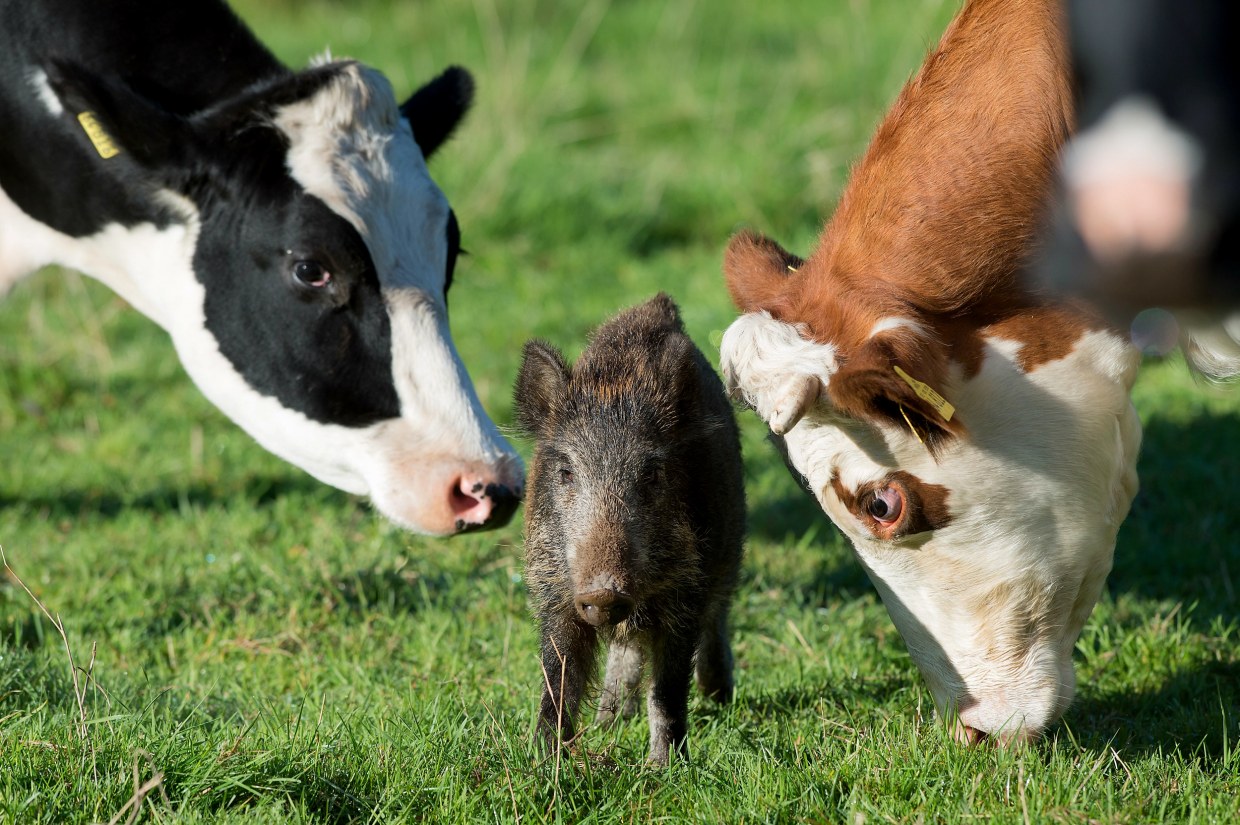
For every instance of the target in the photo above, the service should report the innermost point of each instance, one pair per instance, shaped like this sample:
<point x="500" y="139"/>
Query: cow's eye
<point x="311" y="274"/>
<point x="886" y="505"/>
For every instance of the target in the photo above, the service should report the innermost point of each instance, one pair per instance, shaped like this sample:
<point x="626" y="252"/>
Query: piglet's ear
<point x="541" y="384"/>
<point x="757" y="269"/>
<point x="129" y="122"/>
<point x="680" y="371"/>
<point x="898" y="382"/>
<point x="437" y="108"/>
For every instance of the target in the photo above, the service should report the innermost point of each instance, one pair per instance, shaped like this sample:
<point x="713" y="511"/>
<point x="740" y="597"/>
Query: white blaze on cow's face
<point x="991" y="550"/>
<point x="350" y="147"/>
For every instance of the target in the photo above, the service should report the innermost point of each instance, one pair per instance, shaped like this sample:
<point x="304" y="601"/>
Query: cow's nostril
<point x="504" y="503"/>
<point x="969" y="735"/>
<point x="481" y="505"/>
<point x="464" y="500"/>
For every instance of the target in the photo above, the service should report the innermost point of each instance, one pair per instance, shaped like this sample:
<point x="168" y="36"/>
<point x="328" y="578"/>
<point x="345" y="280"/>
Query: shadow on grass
<point x="1181" y="542"/>
<point x="396" y="591"/>
<point x="332" y="798"/>
<point x="787" y="517"/>
<point x="1194" y="715"/>
<point x="796" y="699"/>
<point x="256" y="491"/>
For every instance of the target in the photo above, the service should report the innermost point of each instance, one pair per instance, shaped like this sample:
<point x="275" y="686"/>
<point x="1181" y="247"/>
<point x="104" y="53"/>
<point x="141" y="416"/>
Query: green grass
<point x="252" y="646"/>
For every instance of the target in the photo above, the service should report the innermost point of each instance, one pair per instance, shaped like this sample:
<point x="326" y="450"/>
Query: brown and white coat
<point x="974" y="440"/>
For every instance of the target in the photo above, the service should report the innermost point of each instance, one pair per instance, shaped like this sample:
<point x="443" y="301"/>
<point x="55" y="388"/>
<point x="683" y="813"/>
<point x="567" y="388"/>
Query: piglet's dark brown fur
<point x="634" y="521"/>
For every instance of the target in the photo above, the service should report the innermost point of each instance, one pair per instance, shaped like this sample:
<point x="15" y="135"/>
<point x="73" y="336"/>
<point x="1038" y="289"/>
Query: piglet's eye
<point x="311" y="273"/>
<point x="566" y="476"/>
<point x="886" y="506"/>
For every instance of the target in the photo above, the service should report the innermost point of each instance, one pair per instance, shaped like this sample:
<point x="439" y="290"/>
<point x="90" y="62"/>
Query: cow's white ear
<point x="769" y="366"/>
<point x="435" y="110"/>
<point x="793" y="399"/>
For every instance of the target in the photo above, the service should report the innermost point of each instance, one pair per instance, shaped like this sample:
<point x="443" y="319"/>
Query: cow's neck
<point x="946" y="201"/>
<point x="185" y="56"/>
<point x="149" y="266"/>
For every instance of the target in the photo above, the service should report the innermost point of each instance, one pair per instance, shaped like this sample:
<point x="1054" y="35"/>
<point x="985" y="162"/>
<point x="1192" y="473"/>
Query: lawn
<point x="244" y="644"/>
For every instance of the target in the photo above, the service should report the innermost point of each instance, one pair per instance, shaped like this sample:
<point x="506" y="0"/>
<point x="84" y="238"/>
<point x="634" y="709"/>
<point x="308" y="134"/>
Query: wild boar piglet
<point x="634" y="521"/>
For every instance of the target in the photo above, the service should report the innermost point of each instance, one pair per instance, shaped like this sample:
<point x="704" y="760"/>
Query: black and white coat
<point x="281" y="226"/>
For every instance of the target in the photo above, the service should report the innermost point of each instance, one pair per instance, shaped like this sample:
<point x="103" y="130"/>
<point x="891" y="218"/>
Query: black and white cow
<point x="281" y="226"/>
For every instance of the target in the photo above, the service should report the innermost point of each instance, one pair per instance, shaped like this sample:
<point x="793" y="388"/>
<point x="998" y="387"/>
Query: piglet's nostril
<point x="604" y="607"/>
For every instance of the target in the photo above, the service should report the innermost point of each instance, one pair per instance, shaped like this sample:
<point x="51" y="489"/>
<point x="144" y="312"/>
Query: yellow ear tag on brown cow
<point x="911" y="428"/>
<point x="101" y="139"/>
<point x="927" y="394"/>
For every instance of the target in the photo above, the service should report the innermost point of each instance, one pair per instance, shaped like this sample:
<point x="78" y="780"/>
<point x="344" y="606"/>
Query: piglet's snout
<point x="602" y="608"/>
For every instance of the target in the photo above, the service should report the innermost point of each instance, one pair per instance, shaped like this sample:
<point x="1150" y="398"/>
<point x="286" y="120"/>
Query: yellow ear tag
<point x="101" y="139"/>
<point x="912" y="429"/>
<point x="926" y="393"/>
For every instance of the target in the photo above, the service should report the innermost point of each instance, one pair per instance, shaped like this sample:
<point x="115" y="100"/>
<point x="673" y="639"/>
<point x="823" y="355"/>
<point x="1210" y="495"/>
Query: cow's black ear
<point x="261" y="101"/>
<point x="138" y="127"/>
<point x="541" y="384"/>
<point x="436" y="109"/>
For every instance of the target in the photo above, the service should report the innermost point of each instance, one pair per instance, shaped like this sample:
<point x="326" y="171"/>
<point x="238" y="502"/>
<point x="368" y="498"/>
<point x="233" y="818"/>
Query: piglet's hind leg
<point x="714" y="660"/>
<point x="622" y="684"/>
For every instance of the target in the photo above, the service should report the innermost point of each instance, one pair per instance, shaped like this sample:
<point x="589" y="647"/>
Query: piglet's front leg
<point x="567" y="661"/>
<point x="668" y="702"/>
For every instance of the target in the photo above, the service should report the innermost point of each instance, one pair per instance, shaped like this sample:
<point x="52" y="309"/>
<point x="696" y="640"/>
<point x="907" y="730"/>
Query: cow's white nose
<point x="479" y="504"/>
<point x="1007" y="738"/>
<point x="968" y="735"/>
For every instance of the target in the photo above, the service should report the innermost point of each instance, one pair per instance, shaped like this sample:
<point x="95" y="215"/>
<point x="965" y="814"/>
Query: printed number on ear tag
<point x="102" y="140"/>
<point x="927" y="394"/>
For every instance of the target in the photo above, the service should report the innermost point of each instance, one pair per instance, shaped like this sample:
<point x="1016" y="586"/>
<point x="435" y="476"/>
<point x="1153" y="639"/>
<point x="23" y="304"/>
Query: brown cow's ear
<point x="757" y="269"/>
<point x="900" y="382"/>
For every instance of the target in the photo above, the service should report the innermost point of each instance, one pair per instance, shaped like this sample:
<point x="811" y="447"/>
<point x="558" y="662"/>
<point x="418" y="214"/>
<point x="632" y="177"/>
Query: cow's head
<point x="974" y="442"/>
<point x="308" y="297"/>
<point x="981" y="469"/>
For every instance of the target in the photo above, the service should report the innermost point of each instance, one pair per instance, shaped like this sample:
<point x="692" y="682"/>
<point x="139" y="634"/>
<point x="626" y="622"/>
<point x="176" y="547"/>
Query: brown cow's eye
<point x="886" y="506"/>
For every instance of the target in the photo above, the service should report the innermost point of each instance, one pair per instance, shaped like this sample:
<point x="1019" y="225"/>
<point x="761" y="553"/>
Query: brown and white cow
<point x="973" y="440"/>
